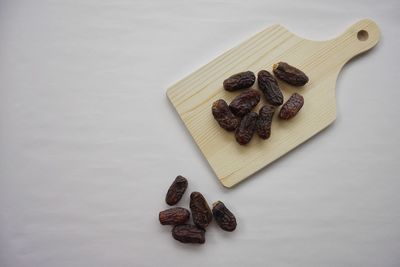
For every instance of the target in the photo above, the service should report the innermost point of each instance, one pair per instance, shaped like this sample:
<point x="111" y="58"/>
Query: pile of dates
<point x="238" y="115"/>
<point x="202" y="215"/>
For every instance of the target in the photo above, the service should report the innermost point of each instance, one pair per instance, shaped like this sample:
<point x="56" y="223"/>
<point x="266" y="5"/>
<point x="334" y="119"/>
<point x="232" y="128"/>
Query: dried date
<point x="224" y="217"/>
<point x="245" y="102"/>
<point x="201" y="212"/>
<point x="264" y="121"/>
<point x="270" y="88"/>
<point x="290" y="74"/>
<point x="176" y="190"/>
<point x="174" y="216"/>
<point x="187" y="233"/>
<point x="224" y="116"/>
<point x="239" y="81"/>
<point x="246" y="129"/>
<point x="291" y="107"/>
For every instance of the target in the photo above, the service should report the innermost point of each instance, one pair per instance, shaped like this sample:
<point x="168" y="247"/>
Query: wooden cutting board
<point x="322" y="61"/>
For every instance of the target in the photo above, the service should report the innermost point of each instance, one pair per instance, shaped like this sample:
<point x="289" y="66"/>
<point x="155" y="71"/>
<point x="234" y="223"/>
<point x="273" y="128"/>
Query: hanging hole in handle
<point x="362" y="35"/>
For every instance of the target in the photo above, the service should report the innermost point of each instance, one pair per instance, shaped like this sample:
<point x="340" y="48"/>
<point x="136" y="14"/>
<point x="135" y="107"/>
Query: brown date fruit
<point x="291" y="107"/>
<point x="290" y="74"/>
<point x="174" y="216"/>
<point x="270" y="88"/>
<point x="246" y="129"/>
<point x="224" y="116"/>
<point x="201" y="212"/>
<point x="245" y="102"/>
<point x="224" y="217"/>
<point x="264" y="121"/>
<point x="239" y="81"/>
<point x="187" y="233"/>
<point x="176" y="190"/>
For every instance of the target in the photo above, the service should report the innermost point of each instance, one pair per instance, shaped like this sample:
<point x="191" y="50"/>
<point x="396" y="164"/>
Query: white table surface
<point x="90" y="143"/>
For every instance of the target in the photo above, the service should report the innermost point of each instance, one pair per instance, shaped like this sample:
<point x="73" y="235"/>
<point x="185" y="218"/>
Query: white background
<point x="89" y="142"/>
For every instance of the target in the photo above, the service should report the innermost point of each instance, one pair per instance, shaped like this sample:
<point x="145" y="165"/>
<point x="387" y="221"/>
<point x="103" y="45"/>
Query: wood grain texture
<point x="322" y="61"/>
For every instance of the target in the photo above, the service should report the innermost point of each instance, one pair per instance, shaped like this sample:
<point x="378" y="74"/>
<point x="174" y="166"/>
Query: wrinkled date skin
<point x="239" y="81"/>
<point x="174" y="216"/>
<point x="246" y="129"/>
<point x="291" y="107"/>
<point x="245" y="102"/>
<point x="224" y="217"/>
<point x="224" y="116"/>
<point x="201" y="212"/>
<point x="264" y="121"/>
<point x="290" y="74"/>
<point x="176" y="190"/>
<point x="187" y="233"/>
<point x="270" y="88"/>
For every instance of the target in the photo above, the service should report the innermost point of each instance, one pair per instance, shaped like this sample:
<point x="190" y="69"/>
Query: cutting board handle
<point x="357" y="39"/>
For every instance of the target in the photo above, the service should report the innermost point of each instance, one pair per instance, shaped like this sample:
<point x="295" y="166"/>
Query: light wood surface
<point x="322" y="61"/>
